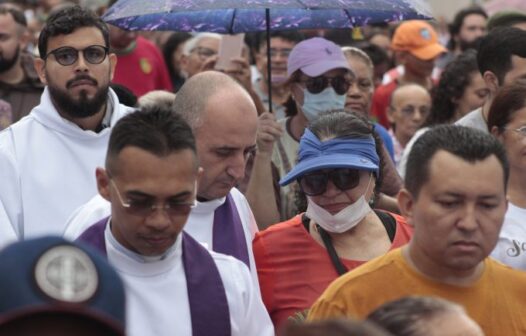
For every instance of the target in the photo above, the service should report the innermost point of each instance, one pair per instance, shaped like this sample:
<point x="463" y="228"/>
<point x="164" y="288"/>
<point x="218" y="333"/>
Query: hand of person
<point x="240" y="70"/>
<point x="269" y="130"/>
<point x="209" y="63"/>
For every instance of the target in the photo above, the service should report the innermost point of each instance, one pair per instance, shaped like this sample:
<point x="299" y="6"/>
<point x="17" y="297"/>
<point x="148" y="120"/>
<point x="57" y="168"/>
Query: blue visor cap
<point x="357" y="153"/>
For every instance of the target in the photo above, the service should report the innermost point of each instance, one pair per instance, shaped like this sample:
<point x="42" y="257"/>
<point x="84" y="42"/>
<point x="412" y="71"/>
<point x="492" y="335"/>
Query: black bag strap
<point x="387" y="220"/>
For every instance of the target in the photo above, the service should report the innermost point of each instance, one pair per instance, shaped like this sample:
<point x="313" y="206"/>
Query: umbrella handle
<point x="269" y="86"/>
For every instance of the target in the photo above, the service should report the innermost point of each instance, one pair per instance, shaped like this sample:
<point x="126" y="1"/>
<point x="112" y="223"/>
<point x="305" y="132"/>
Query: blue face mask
<point x="327" y="100"/>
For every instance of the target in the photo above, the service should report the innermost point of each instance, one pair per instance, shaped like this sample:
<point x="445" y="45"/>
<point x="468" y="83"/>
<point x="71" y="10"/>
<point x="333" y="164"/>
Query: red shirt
<point x="294" y="269"/>
<point x="143" y="69"/>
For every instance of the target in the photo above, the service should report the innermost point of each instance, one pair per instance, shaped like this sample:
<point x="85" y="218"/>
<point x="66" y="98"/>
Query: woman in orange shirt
<point x="339" y="171"/>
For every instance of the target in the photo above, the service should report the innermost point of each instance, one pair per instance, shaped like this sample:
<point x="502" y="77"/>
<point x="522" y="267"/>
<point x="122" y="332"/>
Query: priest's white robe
<point x="47" y="168"/>
<point x="157" y="301"/>
<point x="199" y="224"/>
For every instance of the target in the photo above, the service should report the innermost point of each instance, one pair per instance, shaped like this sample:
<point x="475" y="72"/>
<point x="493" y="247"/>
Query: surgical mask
<point x="344" y="220"/>
<point x="327" y="100"/>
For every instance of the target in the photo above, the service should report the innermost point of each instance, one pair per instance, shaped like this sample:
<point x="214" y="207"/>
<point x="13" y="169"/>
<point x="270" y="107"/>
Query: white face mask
<point x="327" y="100"/>
<point x="344" y="220"/>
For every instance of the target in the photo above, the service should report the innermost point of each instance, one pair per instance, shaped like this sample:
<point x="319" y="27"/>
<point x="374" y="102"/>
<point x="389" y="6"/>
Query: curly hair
<point x="453" y="82"/>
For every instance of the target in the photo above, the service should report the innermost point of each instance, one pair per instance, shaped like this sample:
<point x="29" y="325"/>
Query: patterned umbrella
<point x="239" y="16"/>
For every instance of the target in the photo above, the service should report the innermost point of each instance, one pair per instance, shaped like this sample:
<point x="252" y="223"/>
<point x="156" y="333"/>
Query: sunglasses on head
<point x="94" y="54"/>
<point x="340" y="84"/>
<point x="315" y="183"/>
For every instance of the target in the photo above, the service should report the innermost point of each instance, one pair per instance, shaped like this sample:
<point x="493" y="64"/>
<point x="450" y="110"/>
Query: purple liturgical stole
<point x="228" y="235"/>
<point x="206" y="294"/>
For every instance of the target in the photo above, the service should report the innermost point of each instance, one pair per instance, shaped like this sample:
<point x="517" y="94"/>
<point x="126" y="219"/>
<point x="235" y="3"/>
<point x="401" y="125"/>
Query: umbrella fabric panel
<point x="246" y="16"/>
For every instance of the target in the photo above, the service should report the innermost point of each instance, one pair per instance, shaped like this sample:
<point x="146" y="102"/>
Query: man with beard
<point x="19" y="82"/>
<point x="48" y="158"/>
<point x="468" y="26"/>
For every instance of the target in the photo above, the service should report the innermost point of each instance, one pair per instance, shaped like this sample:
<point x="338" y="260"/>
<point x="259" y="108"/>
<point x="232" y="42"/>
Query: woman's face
<point x="360" y="93"/>
<point x="515" y="142"/>
<point x="334" y="199"/>
<point x="474" y="95"/>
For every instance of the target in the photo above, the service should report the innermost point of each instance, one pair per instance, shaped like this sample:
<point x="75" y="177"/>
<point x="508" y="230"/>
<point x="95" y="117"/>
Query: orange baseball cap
<point x="419" y="38"/>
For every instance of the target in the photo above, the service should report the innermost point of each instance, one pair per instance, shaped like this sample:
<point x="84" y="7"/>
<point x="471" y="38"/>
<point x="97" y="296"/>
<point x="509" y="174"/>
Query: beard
<point x="83" y="106"/>
<point x="465" y="45"/>
<point x="7" y="63"/>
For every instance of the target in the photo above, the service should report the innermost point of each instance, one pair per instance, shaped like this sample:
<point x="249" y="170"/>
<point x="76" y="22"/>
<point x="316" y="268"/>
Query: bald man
<point x="224" y="120"/>
<point x="408" y="110"/>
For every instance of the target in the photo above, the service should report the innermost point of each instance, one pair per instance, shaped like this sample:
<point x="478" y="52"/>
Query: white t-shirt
<point x="511" y="247"/>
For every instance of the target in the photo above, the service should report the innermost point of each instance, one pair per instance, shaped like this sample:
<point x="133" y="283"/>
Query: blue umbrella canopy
<point x="237" y="16"/>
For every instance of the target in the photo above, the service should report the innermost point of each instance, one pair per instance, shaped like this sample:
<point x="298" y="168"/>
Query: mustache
<point x="71" y="82"/>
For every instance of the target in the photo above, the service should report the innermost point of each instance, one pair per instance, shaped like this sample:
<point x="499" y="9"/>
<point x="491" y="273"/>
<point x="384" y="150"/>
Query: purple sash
<point x="206" y="294"/>
<point x="228" y="235"/>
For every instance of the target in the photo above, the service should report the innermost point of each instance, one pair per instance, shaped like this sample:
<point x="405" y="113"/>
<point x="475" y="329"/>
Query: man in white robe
<point x="47" y="159"/>
<point x="174" y="285"/>
<point x="224" y="121"/>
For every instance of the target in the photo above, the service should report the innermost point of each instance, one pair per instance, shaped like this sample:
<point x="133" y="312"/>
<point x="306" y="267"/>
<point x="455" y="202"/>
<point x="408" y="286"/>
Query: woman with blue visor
<point x="339" y="171"/>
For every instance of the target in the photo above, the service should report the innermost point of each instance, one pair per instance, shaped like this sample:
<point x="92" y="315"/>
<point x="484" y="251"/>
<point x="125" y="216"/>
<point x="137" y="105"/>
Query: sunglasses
<point x="146" y="207"/>
<point x="315" y="183"/>
<point x="94" y="54"/>
<point x="340" y="84"/>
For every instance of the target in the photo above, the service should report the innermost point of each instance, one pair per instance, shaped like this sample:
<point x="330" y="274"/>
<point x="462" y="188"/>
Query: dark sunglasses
<point x="94" y="54"/>
<point x="340" y="84"/>
<point x="315" y="183"/>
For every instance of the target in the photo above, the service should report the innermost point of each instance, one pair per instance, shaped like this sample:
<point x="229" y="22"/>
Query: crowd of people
<point x="371" y="182"/>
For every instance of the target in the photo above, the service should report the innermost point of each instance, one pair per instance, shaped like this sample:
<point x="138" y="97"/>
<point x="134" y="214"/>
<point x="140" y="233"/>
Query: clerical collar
<point x="132" y="255"/>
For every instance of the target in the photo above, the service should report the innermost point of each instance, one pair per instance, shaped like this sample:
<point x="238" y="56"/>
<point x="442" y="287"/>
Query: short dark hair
<point x="467" y="143"/>
<point x="496" y="49"/>
<point x="405" y="316"/>
<point x="288" y="35"/>
<point x="506" y="103"/>
<point x="347" y="125"/>
<point x="66" y="21"/>
<point x="458" y="21"/>
<point x="453" y="82"/>
<point x="156" y="129"/>
<point x="18" y="16"/>
<point x="375" y="53"/>
<point x="334" y="327"/>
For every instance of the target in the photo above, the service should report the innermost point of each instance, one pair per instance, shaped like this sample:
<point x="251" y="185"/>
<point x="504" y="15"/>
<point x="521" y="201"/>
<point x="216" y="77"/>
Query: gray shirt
<point x="474" y="119"/>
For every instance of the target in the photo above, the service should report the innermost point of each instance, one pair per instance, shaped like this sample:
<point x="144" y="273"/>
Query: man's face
<point x="416" y="66"/>
<point x="457" y="215"/>
<point x="10" y="39"/>
<point x="206" y="47"/>
<point x="121" y="39"/>
<point x="140" y="178"/>
<point x="279" y="55"/>
<point x="224" y="141"/>
<point x="78" y="90"/>
<point x="473" y="27"/>
<point x="517" y="73"/>
<point x="409" y="109"/>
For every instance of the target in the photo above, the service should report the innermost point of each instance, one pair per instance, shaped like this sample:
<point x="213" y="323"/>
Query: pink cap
<point x="316" y="56"/>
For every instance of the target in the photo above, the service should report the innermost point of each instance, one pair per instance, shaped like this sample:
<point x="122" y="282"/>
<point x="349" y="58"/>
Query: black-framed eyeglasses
<point x="94" y="54"/>
<point x="521" y="130"/>
<point x="340" y="84"/>
<point x="146" y="207"/>
<point x="315" y="183"/>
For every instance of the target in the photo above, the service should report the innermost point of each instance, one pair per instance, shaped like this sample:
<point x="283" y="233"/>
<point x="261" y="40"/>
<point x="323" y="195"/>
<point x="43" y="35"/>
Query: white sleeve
<point x="86" y="215"/>
<point x="248" y="315"/>
<point x="250" y="228"/>
<point x="7" y="233"/>
<point x="10" y="193"/>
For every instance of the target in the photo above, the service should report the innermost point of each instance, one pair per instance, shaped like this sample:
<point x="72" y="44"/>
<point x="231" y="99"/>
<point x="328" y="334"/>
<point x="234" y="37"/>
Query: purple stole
<point x="228" y="235"/>
<point x="206" y="294"/>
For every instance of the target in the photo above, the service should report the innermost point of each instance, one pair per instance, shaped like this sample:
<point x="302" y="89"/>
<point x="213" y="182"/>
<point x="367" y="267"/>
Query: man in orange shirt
<point x="455" y="199"/>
